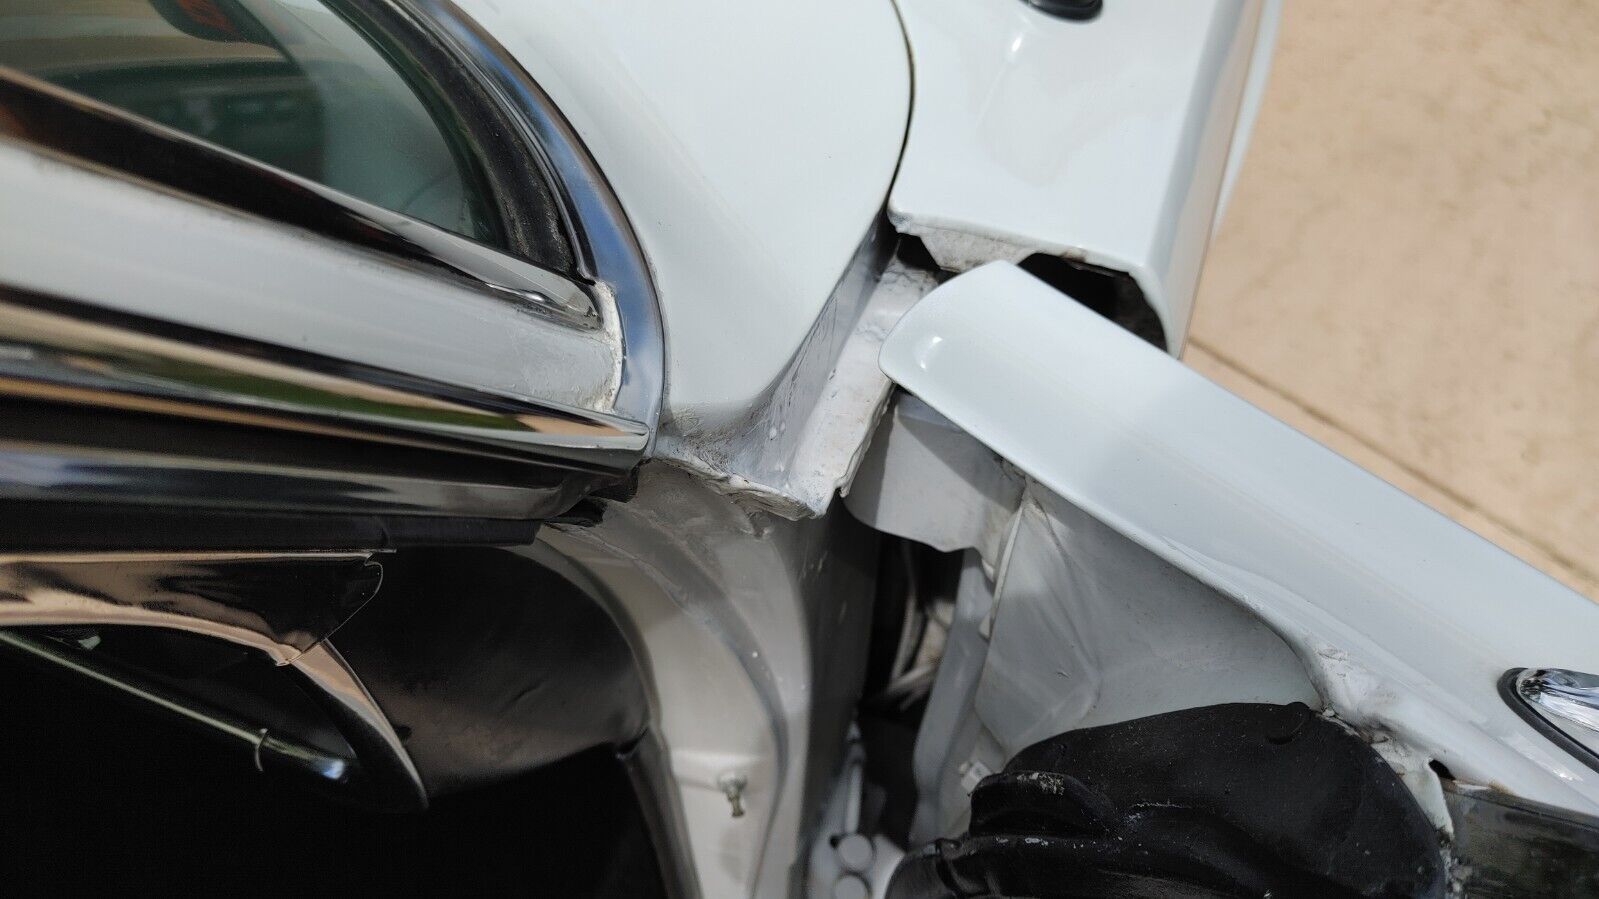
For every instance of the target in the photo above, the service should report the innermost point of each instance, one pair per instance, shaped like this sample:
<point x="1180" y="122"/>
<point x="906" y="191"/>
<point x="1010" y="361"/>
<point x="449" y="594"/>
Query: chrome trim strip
<point x="541" y="290"/>
<point x="1561" y="704"/>
<point x="38" y="114"/>
<point x="280" y="603"/>
<point x="48" y="472"/>
<point x="608" y="250"/>
<point x="64" y="351"/>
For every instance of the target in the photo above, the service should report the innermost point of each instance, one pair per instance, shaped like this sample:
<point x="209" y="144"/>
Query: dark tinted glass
<point x="290" y="83"/>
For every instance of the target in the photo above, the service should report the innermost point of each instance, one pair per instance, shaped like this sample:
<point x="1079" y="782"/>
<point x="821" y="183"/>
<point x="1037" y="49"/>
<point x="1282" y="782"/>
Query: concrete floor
<point x="1409" y="268"/>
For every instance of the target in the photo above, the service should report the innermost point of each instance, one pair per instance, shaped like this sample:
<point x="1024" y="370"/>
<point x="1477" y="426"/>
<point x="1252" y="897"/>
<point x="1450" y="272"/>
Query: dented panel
<point x="1405" y="620"/>
<point x="1103" y="141"/>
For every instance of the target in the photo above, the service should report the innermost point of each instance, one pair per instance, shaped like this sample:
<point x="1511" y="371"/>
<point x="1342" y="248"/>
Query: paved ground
<point x="1409" y="270"/>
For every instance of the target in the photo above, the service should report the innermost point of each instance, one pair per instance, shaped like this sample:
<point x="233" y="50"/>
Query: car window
<point x="290" y="83"/>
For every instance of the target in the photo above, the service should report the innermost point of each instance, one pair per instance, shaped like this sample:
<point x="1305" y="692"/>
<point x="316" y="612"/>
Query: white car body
<point x="810" y="386"/>
<point x="1111" y="143"/>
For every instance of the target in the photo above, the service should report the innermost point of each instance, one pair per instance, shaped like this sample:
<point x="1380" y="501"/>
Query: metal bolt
<point x="733" y="785"/>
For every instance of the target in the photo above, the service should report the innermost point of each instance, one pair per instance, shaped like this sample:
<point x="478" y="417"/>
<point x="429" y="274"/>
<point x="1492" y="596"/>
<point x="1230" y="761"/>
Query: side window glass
<point x="291" y="83"/>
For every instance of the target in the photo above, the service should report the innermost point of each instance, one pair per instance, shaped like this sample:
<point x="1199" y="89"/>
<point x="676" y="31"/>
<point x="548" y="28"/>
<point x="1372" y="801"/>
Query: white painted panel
<point x="1405" y="620"/>
<point x="752" y="146"/>
<point x="1103" y="140"/>
<point x="1090" y="629"/>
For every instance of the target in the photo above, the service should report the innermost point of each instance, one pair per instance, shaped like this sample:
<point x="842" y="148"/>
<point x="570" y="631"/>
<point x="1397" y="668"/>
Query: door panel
<point x="246" y="391"/>
<point x="262" y="343"/>
<point x="260" y="254"/>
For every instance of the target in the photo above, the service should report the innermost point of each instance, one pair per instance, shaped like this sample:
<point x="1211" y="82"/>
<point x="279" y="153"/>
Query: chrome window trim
<point x="65" y="351"/>
<point x="613" y="295"/>
<point x="607" y="248"/>
<point x="55" y="473"/>
<point x="523" y="188"/>
<point x="83" y="233"/>
<point x="38" y="114"/>
<point x="181" y="319"/>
